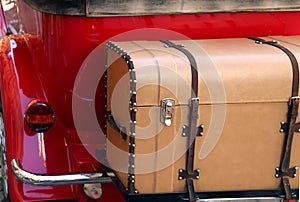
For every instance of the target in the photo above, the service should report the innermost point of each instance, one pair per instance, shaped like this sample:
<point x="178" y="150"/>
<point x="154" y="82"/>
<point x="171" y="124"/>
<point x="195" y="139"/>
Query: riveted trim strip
<point x="132" y="104"/>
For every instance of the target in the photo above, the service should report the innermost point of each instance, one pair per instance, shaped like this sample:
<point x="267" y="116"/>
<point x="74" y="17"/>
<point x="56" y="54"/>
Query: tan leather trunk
<point x="244" y="89"/>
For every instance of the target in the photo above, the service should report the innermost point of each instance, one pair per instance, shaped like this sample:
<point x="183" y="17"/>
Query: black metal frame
<point x="179" y="197"/>
<point x="183" y="196"/>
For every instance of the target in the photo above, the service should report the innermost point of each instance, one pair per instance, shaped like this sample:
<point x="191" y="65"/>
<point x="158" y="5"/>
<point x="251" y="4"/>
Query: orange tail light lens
<point x="39" y="116"/>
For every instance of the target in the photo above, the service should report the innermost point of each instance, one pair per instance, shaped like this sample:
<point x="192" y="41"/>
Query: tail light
<point x="39" y="116"/>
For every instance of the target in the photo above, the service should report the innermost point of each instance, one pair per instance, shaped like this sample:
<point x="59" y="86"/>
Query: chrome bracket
<point x="167" y="106"/>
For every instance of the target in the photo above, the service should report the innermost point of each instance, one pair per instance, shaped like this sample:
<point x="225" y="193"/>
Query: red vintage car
<point x="52" y="84"/>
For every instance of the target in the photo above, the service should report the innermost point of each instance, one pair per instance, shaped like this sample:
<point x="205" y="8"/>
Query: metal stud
<point x="197" y="177"/>
<point x="281" y="130"/>
<point x="180" y="178"/>
<point x="277" y="169"/>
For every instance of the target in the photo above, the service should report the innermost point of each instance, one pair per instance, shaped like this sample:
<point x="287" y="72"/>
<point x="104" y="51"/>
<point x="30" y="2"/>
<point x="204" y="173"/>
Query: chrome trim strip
<point x="56" y="180"/>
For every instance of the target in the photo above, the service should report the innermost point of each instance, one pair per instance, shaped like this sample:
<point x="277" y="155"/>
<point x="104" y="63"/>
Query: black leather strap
<point x="121" y="130"/>
<point x="194" y="69"/>
<point x="292" y="116"/>
<point x="193" y="117"/>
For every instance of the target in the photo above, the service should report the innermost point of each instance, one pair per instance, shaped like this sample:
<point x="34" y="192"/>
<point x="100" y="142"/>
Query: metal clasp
<point x="293" y="98"/>
<point x="167" y="111"/>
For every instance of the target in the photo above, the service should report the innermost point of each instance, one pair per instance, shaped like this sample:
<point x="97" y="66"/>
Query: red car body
<point x="45" y="66"/>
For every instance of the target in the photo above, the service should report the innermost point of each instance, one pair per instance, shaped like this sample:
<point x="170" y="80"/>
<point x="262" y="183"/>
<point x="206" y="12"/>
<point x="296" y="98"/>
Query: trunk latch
<point x="167" y="111"/>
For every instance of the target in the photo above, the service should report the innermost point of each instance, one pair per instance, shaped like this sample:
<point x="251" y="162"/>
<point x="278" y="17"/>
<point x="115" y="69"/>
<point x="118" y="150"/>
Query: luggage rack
<point x="261" y="195"/>
<point x="234" y="196"/>
<point x="216" y="196"/>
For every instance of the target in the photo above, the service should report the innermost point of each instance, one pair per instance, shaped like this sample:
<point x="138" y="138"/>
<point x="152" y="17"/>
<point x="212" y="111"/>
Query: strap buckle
<point x="293" y="99"/>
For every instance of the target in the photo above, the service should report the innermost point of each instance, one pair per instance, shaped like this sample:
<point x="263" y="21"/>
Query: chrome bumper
<point x="55" y="180"/>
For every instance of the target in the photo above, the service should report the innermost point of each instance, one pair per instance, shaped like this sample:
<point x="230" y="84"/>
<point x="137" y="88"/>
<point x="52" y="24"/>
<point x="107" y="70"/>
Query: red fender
<point x="20" y="84"/>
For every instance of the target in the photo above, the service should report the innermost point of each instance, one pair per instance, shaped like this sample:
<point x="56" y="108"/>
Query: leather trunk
<point x="244" y="88"/>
